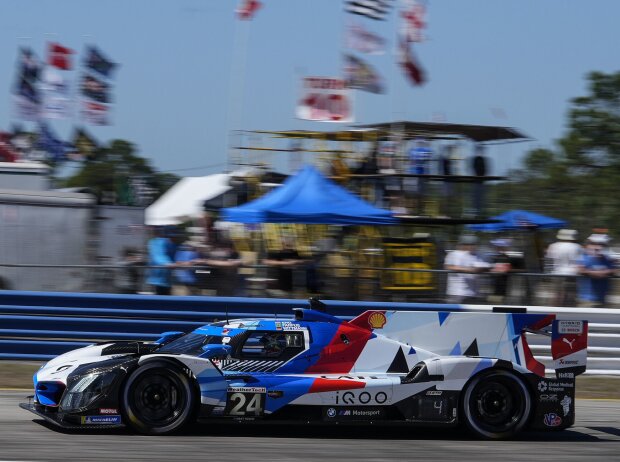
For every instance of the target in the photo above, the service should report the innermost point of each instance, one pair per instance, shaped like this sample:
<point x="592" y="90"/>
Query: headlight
<point x="84" y="390"/>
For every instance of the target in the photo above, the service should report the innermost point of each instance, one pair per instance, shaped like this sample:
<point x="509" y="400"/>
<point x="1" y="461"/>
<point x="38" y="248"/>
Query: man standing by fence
<point x="563" y="256"/>
<point x="463" y="284"/>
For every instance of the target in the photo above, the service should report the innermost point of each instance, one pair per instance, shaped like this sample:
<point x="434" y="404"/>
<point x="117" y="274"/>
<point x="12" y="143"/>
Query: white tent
<point x="185" y="199"/>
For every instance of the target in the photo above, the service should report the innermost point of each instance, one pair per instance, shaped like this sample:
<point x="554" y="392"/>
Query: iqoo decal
<point x="349" y="397"/>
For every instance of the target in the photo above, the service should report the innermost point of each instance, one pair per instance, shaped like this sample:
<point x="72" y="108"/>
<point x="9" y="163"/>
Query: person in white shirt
<point x="564" y="258"/>
<point x="463" y="283"/>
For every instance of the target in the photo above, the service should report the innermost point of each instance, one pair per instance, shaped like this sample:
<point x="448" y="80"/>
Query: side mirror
<point x="215" y="351"/>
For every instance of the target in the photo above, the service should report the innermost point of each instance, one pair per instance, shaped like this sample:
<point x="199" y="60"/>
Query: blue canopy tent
<point x="518" y="220"/>
<point x="309" y="198"/>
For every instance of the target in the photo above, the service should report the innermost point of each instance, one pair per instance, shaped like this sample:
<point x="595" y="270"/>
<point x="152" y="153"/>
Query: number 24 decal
<point x="240" y="404"/>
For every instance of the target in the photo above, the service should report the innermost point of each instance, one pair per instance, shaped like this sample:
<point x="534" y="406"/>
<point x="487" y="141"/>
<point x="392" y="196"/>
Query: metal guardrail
<point x="41" y="325"/>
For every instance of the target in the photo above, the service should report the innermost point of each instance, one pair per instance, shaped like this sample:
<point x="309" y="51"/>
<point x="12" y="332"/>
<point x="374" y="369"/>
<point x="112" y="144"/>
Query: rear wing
<point x="494" y="335"/>
<point x="569" y="348"/>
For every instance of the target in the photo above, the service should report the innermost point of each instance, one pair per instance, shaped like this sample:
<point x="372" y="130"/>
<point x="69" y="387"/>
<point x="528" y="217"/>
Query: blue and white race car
<point x="412" y="368"/>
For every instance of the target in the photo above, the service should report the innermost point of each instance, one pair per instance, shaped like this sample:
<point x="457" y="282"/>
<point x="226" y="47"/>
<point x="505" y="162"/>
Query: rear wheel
<point x="496" y="404"/>
<point x="158" y="398"/>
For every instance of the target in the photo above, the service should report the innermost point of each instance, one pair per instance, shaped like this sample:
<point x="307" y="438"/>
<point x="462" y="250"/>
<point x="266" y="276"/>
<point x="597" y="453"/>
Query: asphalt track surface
<point x="24" y="437"/>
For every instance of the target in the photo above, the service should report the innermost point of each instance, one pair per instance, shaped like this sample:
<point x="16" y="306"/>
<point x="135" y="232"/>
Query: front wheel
<point x="158" y="398"/>
<point x="496" y="404"/>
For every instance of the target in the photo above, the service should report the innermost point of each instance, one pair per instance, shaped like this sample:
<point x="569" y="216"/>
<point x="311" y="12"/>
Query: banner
<point x="95" y="87"/>
<point x="56" y="101"/>
<point x="362" y="40"/>
<point x="373" y="9"/>
<point x="325" y="99"/>
<point x="55" y="95"/>
<point x="48" y="142"/>
<point x="85" y="145"/>
<point x="413" y="22"/>
<point x="360" y="75"/>
<point x="413" y="16"/>
<point x="409" y="253"/>
<point x="26" y="95"/>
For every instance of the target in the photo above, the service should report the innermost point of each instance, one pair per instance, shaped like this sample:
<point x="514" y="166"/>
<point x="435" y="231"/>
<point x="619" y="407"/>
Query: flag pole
<point x="238" y="63"/>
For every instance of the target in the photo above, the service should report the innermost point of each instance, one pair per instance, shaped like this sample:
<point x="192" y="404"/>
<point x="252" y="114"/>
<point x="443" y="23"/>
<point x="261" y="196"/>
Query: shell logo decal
<point x="377" y="320"/>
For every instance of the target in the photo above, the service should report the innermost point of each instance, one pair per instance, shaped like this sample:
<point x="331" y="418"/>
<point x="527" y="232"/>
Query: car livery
<point x="407" y="367"/>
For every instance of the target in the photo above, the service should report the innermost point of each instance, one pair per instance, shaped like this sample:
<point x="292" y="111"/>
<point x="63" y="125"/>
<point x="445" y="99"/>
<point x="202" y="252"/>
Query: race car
<point x="382" y="367"/>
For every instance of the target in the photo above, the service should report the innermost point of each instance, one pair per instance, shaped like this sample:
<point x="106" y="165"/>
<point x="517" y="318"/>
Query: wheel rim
<point x="158" y="398"/>
<point x="498" y="404"/>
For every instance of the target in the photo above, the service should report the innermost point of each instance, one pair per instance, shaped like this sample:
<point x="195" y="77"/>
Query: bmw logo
<point x="331" y="412"/>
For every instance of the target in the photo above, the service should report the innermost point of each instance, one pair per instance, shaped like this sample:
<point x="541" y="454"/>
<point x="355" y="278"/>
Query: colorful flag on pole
<point x="413" y="22"/>
<point x="59" y="56"/>
<point x="360" y="75"/>
<point x="410" y="65"/>
<point x="374" y="9"/>
<point x="364" y="41"/>
<point x="48" y="142"/>
<point x="7" y="152"/>
<point x="97" y="62"/>
<point x="85" y="145"/>
<point x="27" y="99"/>
<point x="247" y="9"/>
<point x="325" y="99"/>
<point x="95" y="87"/>
<point x="55" y="95"/>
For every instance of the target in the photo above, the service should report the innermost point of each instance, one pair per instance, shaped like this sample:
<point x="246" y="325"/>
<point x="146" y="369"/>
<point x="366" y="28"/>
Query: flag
<point x="85" y="145"/>
<point x="7" y="152"/>
<point x="248" y="8"/>
<point x="409" y="64"/>
<point x="95" y="89"/>
<point x="374" y="9"/>
<point x="96" y="61"/>
<point x="59" y="56"/>
<point x="364" y="41"/>
<point x="361" y="75"/>
<point x="26" y="95"/>
<point x="413" y="21"/>
<point x="56" y="101"/>
<point x="47" y="141"/>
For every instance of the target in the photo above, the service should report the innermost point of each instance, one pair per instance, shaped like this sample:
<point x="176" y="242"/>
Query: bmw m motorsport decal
<point x="414" y="368"/>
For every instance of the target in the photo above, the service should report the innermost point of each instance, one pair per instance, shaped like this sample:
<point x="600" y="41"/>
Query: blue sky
<point x="182" y="60"/>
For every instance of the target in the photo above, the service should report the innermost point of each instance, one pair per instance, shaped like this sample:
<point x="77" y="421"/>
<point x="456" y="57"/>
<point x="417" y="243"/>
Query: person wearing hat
<point x="462" y="286"/>
<point x="563" y="256"/>
<point x="597" y="268"/>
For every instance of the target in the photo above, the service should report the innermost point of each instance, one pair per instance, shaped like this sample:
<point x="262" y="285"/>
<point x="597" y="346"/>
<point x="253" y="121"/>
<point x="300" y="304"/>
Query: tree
<point x="115" y="172"/>
<point x="578" y="180"/>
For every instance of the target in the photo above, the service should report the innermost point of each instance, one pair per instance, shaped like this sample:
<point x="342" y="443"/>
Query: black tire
<point x="158" y="398"/>
<point x="496" y="404"/>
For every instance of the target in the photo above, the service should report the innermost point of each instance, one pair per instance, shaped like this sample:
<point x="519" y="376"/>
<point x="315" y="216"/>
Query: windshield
<point x="190" y="344"/>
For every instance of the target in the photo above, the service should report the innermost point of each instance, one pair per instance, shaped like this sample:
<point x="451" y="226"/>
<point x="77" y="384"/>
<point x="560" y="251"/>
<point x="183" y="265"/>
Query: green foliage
<point x="112" y="171"/>
<point x="579" y="181"/>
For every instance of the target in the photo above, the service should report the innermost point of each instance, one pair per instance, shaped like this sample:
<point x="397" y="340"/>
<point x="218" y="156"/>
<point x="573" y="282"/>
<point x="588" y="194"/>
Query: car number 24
<point x="245" y="401"/>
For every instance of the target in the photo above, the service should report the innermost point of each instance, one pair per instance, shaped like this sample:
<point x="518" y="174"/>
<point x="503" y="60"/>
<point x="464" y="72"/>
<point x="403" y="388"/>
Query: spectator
<point x="480" y="170"/>
<point x="161" y="249"/>
<point x="281" y="265"/>
<point x="502" y="266"/>
<point x="185" y="278"/>
<point x="597" y="268"/>
<point x="564" y="256"/>
<point x="224" y="261"/>
<point x="463" y="283"/>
